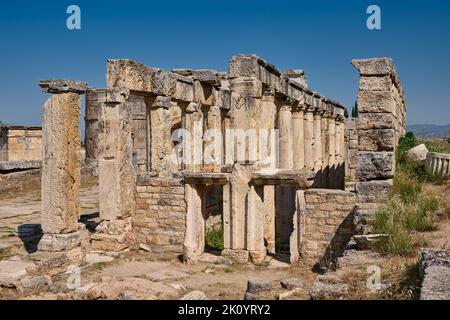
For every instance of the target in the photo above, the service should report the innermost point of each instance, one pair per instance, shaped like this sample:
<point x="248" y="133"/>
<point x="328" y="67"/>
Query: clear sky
<point x="320" y="37"/>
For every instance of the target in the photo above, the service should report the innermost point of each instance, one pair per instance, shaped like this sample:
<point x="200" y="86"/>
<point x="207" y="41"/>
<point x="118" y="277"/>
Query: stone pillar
<point x="332" y="151"/>
<point x="285" y="131"/>
<point x="160" y="137"/>
<point x="255" y="224"/>
<point x="194" y="140"/>
<point x="94" y="98"/>
<point x="325" y="148"/>
<point x="213" y="141"/>
<point x="317" y="152"/>
<point x="194" y="241"/>
<point x="309" y="136"/>
<point x="61" y="168"/>
<point x="269" y="218"/>
<point x="116" y="175"/>
<point x="226" y="216"/>
<point x="298" y="223"/>
<point x="298" y="138"/>
<point x="380" y="123"/>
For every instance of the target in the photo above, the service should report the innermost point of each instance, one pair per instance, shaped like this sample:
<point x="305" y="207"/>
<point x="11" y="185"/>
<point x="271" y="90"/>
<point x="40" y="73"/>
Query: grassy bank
<point x="410" y="210"/>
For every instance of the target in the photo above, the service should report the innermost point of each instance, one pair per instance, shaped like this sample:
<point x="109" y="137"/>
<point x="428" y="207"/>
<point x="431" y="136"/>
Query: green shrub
<point x="214" y="239"/>
<point x="405" y="143"/>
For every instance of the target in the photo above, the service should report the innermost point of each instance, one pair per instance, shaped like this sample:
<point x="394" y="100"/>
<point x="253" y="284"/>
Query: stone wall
<point x="328" y="224"/>
<point x="159" y="220"/>
<point x="20" y="143"/>
<point x="381" y="123"/>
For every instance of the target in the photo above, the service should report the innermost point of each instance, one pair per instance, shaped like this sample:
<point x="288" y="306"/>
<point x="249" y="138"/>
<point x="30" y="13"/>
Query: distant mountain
<point x="429" y="130"/>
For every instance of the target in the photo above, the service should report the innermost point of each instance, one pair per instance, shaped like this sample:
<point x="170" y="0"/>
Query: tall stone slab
<point x="61" y="169"/>
<point x="116" y="175"/>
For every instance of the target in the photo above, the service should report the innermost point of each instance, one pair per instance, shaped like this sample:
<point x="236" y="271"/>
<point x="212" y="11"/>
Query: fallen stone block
<point x="435" y="271"/>
<point x="418" y="153"/>
<point x="20" y="165"/>
<point x="256" y="286"/>
<point x="292" y="283"/>
<point x="195" y="295"/>
<point x="11" y="272"/>
<point x="328" y="291"/>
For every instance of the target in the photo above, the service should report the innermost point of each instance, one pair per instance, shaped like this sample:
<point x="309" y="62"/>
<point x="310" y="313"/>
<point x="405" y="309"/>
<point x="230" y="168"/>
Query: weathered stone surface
<point x="61" y="173"/>
<point x="110" y="242"/>
<point x="256" y="286"/>
<point x="164" y="275"/>
<point x="195" y="295"/>
<point x="418" y="153"/>
<point x="375" y="165"/>
<point x="328" y="291"/>
<point x="292" y="283"/>
<point x="11" y="272"/>
<point x="374" y="66"/>
<point x="59" y="242"/>
<point x="31" y="284"/>
<point x="377" y="140"/>
<point x="362" y="222"/>
<point x="375" y="101"/>
<point x="370" y="83"/>
<point x="19" y="165"/>
<point x="367" y="121"/>
<point x="435" y="269"/>
<point x="63" y="86"/>
<point x="52" y="263"/>
<point x="375" y="190"/>
<point x="92" y="258"/>
<point x="366" y="241"/>
<point x="239" y="256"/>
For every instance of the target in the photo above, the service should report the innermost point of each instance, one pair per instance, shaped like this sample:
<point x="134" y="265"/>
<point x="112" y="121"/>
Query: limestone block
<point x="371" y="83"/>
<point x="292" y="283"/>
<point x="11" y="272"/>
<point x="243" y="66"/>
<point x="418" y="153"/>
<point x="367" y="121"/>
<point x="375" y="101"/>
<point x="19" y="165"/>
<point x="63" y="86"/>
<point x="238" y="256"/>
<point x="374" y="66"/>
<point x="204" y="94"/>
<point x="59" y="242"/>
<point x="372" y="191"/>
<point x="247" y="87"/>
<point x="375" y="165"/>
<point x="376" y="140"/>
<point x="61" y="175"/>
<point x="109" y="242"/>
<point x="435" y="271"/>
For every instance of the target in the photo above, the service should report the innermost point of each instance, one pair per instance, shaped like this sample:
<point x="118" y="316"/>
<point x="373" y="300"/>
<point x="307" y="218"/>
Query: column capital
<point x="161" y="102"/>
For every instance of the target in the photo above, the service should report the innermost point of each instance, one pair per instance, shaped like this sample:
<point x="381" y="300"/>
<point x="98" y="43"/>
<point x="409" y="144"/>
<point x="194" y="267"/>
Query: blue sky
<point x="320" y="37"/>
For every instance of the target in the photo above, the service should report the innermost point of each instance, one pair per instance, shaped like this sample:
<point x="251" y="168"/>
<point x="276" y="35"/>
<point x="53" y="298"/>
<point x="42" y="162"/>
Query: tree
<point x="346" y="113"/>
<point x="355" y="110"/>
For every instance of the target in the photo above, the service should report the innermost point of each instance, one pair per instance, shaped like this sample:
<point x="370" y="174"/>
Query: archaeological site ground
<point x="239" y="184"/>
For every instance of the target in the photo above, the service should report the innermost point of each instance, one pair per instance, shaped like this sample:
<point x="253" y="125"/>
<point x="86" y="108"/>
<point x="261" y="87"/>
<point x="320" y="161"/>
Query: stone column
<point x="298" y="138"/>
<point x="269" y="218"/>
<point x="285" y="127"/>
<point x="309" y="135"/>
<point x="61" y="168"/>
<point x="116" y="175"/>
<point x="160" y="137"/>
<point x="298" y="223"/>
<point x="332" y="151"/>
<point x="213" y="141"/>
<point x="255" y="224"/>
<point x="325" y="148"/>
<point x="194" y="139"/>
<point x="194" y="241"/>
<point x="317" y="152"/>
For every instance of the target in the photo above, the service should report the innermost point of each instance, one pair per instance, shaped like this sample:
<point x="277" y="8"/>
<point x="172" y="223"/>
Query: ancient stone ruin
<point x="275" y="163"/>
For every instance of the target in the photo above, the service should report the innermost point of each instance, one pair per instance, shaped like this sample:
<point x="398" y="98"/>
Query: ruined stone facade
<point x="19" y="143"/>
<point x="253" y="146"/>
